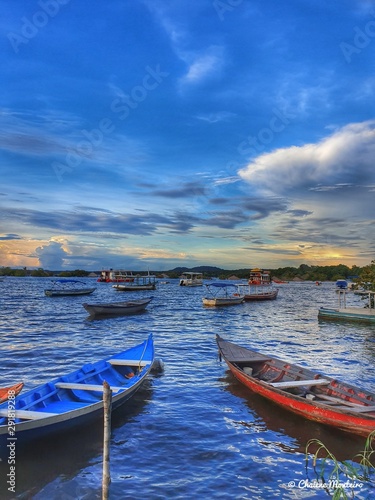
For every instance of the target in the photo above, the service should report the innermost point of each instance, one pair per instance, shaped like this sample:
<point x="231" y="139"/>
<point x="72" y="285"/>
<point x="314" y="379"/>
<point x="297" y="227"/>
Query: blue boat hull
<point x="74" y="399"/>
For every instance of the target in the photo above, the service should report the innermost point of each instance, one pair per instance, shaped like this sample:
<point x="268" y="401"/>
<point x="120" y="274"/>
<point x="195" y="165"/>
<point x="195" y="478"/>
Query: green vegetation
<point x="342" y="480"/>
<point x="365" y="276"/>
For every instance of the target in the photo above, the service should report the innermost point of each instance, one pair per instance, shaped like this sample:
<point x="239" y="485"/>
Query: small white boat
<point x="117" y="308"/>
<point x="61" y="288"/>
<point x="221" y="296"/>
<point x="191" y="279"/>
<point x="147" y="282"/>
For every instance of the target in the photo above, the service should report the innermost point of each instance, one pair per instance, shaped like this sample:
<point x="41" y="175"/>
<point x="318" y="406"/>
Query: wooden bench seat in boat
<point x="344" y="405"/>
<point x="299" y="383"/>
<point x="28" y="414"/>
<point x="249" y="360"/>
<point x="128" y="362"/>
<point x="85" y="387"/>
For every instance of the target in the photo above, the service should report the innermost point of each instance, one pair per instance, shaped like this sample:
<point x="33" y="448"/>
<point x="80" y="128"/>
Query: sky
<point x="151" y="134"/>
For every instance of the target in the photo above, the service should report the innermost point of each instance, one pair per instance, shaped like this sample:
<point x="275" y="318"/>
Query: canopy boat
<point x="13" y="390"/>
<point x="76" y="398"/>
<point x="259" y="286"/>
<point x="191" y="279"/>
<point x="61" y="288"/>
<point x="221" y="296"/>
<point x="300" y="390"/>
<point x="147" y="282"/>
<point x="254" y="292"/>
<point x="117" y="308"/>
<point x="342" y="312"/>
<point x="119" y="276"/>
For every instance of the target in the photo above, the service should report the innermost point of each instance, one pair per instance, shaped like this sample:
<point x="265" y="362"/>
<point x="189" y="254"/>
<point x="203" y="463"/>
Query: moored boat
<point x="221" y="296"/>
<point x="10" y="392"/>
<point x="76" y="398"/>
<point x="191" y="279"/>
<point x="115" y="276"/>
<point x="342" y="312"/>
<point x="259" y="286"/>
<point x="300" y="390"/>
<point x="117" y="308"/>
<point x="62" y="288"/>
<point x="147" y="282"/>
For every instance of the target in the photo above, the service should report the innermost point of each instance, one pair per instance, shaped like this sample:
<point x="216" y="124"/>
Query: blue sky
<point x="160" y="133"/>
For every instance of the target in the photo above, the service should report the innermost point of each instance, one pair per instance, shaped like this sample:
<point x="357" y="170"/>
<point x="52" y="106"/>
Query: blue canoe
<point x="76" y="398"/>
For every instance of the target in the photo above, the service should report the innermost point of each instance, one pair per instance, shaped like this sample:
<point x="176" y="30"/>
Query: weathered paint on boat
<point x="348" y="313"/>
<point x="117" y="308"/>
<point x="12" y="390"/>
<point x="342" y="417"/>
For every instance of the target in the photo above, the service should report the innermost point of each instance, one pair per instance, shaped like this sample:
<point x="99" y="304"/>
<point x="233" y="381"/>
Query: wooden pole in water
<point x="107" y="406"/>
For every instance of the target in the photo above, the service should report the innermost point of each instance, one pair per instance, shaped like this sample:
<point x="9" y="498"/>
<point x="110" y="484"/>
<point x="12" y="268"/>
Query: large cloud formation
<point x="346" y="157"/>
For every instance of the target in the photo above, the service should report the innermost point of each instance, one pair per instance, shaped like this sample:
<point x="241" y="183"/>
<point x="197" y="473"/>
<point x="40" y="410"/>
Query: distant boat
<point x="115" y="276"/>
<point x="76" y="399"/>
<point x="221" y="296"/>
<point x="117" y="308"/>
<point x="147" y="282"/>
<point x="259" y="286"/>
<point x="278" y="281"/>
<point x="191" y="279"/>
<point x="342" y="284"/>
<point x="300" y="390"/>
<point x="13" y="390"/>
<point x="62" y="288"/>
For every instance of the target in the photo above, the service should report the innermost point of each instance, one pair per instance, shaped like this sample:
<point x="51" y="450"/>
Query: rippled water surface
<point x="192" y="431"/>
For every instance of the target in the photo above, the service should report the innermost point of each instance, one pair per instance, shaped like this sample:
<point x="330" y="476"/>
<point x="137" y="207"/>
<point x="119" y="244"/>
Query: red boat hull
<point x="13" y="390"/>
<point x="302" y="391"/>
<point x="358" y="425"/>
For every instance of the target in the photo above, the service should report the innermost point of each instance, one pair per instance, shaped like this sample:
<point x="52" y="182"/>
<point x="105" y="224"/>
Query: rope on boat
<point x="143" y="353"/>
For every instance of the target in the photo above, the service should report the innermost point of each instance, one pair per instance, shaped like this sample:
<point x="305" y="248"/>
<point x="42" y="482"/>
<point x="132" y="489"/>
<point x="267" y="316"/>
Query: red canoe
<point x="302" y="391"/>
<point x="6" y="391"/>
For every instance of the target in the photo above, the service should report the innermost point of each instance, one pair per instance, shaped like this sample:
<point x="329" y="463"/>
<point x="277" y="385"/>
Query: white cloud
<point x="51" y="256"/>
<point x="344" y="157"/>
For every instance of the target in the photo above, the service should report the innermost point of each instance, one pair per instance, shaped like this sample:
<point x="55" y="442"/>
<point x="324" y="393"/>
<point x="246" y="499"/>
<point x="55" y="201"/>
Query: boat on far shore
<point x="115" y="276"/>
<point x="191" y="279"/>
<point x="259" y="286"/>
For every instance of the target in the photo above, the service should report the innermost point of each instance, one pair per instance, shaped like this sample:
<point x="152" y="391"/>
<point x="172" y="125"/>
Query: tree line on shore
<point x="303" y="272"/>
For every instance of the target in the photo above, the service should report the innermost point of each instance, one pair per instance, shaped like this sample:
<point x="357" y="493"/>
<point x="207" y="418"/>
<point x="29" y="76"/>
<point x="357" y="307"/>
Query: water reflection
<point x="267" y="415"/>
<point x="61" y="456"/>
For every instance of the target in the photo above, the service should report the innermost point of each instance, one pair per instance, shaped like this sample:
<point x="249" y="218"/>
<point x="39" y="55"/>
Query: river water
<point x="191" y="431"/>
